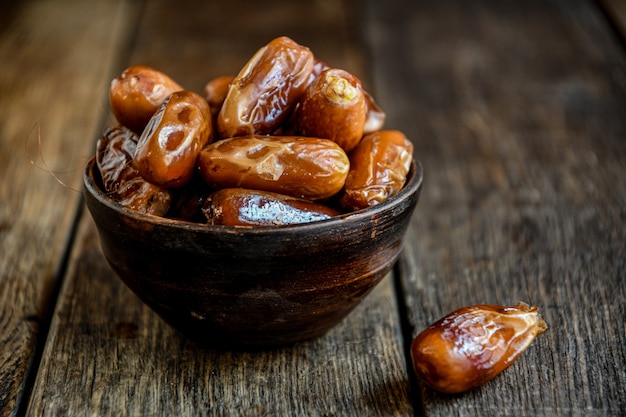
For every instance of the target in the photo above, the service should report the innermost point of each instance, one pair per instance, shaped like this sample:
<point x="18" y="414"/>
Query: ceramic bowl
<point x="252" y="286"/>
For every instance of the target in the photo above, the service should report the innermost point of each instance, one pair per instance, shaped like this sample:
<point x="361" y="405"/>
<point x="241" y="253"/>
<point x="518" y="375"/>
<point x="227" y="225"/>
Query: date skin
<point x="121" y="180"/>
<point x="472" y="345"/>
<point x="266" y="90"/>
<point x="375" y="117"/>
<point x="244" y="207"/>
<point x="378" y="169"/>
<point x="333" y="107"/>
<point x="171" y="142"/>
<point x="215" y="92"/>
<point x="137" y="93"/>
<point x="310" y="168"/>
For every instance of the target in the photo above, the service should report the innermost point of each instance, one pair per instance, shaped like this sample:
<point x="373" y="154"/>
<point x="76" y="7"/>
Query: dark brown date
<point x="169" y="145"/>
<point x="333" y="106"/>
<point x="309" y="168"/>
<point x="121" y="180"/>
<point x="187" y="201"/>
<point x="244" y="207"/>
<point x="378" y="169"/>
<point x="136" y="94"/>
<point x="266" y="90"/>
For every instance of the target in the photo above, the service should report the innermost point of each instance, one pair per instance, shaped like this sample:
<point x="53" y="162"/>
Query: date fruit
<point x="244" y="207"/>
<point x="378" y="169"/>
<point x="472" y="345"/>
<point x="169" y="145"/>
<point x="333" y="107"/>
<point x="266" y="89"/>
<point x="136" y="94"/>
<point x="121" y="180"/>
<point x="310" y="168"/>
<point x="215" y="92"/>
<point x="375" y="117"/>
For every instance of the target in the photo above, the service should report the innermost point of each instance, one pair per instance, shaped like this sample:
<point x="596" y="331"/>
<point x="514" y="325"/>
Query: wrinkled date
<point x="281" y="142"/>
<point x="378" y="169"/>
<point x="169" y="146"/>
<point x="121" y="180"/>
<point x="244" y="207"/>
<point x="137" y="93"/>
<point x="303" y="167"/>
<point x="266" y="90"/>
<point x="333" y="107"/>
<point x="472" y="345"/>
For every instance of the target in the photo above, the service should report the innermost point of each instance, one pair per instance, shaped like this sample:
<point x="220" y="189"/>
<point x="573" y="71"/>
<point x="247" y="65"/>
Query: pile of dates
<point x="288" y="140"/>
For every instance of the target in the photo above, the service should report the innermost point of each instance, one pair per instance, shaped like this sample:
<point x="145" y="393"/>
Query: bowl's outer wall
<point x="254" y="286"/>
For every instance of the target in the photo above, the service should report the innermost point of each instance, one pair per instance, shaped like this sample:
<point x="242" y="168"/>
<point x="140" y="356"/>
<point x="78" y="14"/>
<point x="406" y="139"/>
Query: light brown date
<point x="169" y="145"/>
<point x="245" y="207"/>
<point x="333" y="106"/>
<point x="266" y="89"/>
<point x="378" y="169"/>
<point x="215" y="92"/>
<point x="472" y="345"/>
<point x="121" y="180"/>
<point x="136" y="94"/>
<point x="309" y="168"/>
<point x="375" y="116"/>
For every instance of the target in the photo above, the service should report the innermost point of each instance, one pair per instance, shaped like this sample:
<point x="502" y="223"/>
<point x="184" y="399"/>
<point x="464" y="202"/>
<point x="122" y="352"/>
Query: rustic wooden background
<point x="517" y="110"/>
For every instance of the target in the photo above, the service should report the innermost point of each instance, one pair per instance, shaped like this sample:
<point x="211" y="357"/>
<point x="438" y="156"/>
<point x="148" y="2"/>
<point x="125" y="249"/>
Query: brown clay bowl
<point x="252" y="287"/>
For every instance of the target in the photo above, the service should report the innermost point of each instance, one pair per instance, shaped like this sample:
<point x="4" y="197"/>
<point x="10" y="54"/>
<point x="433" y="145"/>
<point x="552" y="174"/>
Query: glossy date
<point x="287" y="123"/>
<point x="245" y="207"/>
<point x="215" y="92"/>
<point x="169" y="146"/>
<point x="121" y="180"/>
<point x="136" y="94"/>
<point x="303" y="167"/>
<point x="472" y="345"/>
<point x="333" y="107"/>
<point x="266" y="90"/>
<point x="378" y="169"/>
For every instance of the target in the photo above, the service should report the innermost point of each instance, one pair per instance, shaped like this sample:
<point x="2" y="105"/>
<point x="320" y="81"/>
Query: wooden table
<point x="517" y="110"/>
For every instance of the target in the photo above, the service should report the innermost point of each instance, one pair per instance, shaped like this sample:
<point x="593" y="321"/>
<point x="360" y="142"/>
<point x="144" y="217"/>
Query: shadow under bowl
<point x="252" y="286"/>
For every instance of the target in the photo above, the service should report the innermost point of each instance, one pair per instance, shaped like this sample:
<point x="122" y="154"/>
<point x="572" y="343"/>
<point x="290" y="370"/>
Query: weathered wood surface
<point x="517" y="113"/>
<point x="55" y="62"/>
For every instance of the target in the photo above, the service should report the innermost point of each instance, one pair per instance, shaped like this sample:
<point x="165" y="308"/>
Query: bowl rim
<point x="412" y="186"/>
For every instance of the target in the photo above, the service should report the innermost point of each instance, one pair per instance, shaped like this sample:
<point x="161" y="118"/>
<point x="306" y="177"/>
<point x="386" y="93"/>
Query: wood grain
<point x="116" y="357"/>
<point x="516" y="110"/>
<point x="616" y="13"/>
<point x="107" y="354"/>
<point x="52" y="83"/>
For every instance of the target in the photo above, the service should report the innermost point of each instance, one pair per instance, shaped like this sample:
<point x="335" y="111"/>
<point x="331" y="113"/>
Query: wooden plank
<point x="219" y="38"/>
<point x="55" y="66"/>
<point x="616" y="13"/>
<point x="517" y="112"/>
<point x="113" y="356"/>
